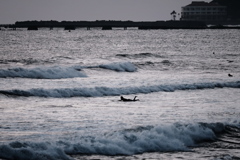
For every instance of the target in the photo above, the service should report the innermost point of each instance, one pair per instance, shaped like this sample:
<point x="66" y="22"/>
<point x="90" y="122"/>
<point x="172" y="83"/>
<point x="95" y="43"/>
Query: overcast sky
<point x="90" y="10"/>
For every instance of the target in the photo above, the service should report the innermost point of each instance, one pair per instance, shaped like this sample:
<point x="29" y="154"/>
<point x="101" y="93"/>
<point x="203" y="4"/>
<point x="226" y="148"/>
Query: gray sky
<point x="90" y="10"/>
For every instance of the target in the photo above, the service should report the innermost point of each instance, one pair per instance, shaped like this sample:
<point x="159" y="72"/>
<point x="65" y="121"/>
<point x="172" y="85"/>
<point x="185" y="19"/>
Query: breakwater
<point x="108" y="25"/>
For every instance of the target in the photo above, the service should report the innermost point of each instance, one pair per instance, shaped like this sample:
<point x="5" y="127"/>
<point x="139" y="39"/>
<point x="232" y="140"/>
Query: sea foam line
<point x="107" y="91"/>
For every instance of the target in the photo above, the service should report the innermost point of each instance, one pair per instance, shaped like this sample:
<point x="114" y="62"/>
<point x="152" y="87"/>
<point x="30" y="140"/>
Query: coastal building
<point x="204" y="11"/>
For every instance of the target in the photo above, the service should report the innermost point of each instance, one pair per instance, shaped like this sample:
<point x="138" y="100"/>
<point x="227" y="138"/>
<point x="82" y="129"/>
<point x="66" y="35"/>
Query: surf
<point x="101" y="91"/>
<point x="59" y="72"/>
<point x="55" y="72"/>
<point x="129" y="141"/>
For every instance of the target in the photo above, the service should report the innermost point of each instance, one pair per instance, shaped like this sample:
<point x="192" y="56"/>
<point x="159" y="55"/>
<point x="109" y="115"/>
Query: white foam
<point x="162" y="138"/>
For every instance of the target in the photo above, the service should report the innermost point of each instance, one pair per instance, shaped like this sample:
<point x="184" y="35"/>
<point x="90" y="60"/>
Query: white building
<point x="203" y="11"/>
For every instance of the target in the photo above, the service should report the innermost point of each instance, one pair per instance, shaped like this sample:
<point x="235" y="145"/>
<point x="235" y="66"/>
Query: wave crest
<point x="43" y="73"/>
<point x="106" y="91"/>
<point x="140" y="55"/>
<point x="62" y="72"/>
<point x="120" y="67"/>
<point x="142" y="139"/>
<point x="164" y="138"/>
<point x="36" y="151"/>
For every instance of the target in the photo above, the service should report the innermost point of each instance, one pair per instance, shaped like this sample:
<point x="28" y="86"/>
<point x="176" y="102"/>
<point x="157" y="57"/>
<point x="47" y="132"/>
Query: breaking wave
<point x="120" y="67"/>
<point x="107" y="91"/>
<point x="142" y="139"/>
<point x="62" y="72"/>
<point x="140" y="55"/>
<point x="27" y="61"/>
<point x="43" y="72"/>
<point x="32" y="151"/>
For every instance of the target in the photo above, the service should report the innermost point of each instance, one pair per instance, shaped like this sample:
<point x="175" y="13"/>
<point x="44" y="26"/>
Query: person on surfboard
<point x="128" y="100"/>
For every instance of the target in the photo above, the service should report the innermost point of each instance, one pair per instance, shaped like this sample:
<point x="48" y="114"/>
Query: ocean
<point x="60" y="94"/>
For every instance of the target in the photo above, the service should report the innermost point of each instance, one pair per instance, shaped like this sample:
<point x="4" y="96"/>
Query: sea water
<point x="60" y="94"/>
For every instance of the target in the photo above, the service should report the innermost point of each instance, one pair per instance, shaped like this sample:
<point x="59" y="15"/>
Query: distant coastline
<point x="108" y="25"/>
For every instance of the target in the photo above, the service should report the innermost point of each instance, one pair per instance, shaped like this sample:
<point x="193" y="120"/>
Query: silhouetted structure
<point x="107" y="28"/>
<point x="108" y="25"/>
<point x="203" y="11"/>
<point x="233" y="11"/>
<point x="69" y="28"/>
<point x="217" y="12"/>
<point x="33" y="28"/>
<point x="174" y="13"/>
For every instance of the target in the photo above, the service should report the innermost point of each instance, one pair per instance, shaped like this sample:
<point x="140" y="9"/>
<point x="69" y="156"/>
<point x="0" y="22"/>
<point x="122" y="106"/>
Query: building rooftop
<point x="202" y="3"/>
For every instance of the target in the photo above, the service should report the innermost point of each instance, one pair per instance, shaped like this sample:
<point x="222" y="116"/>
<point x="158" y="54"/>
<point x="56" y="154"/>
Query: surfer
<point x="128" y="100"/>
